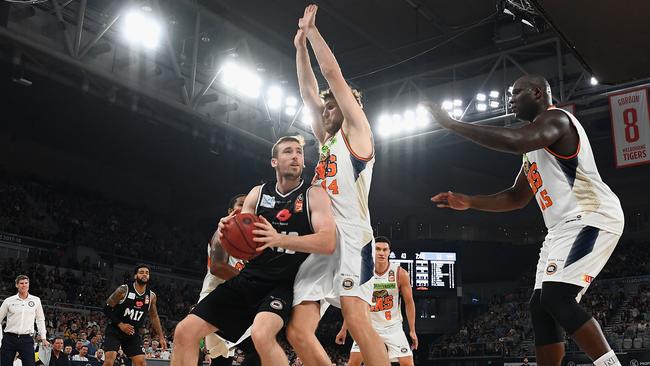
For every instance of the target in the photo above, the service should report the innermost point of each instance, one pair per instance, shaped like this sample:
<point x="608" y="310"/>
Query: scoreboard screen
<point x="428" y="270"/>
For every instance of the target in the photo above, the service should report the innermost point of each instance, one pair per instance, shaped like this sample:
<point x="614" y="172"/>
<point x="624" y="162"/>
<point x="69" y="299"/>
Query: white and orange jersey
<point x="569" y="189"/>
<point x="346" y="177"/>
<point x="386" y="310"/>
<point x="210" y="282"/>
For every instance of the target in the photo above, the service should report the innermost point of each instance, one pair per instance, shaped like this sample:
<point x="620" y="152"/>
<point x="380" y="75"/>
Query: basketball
<point x="238" y="236"/>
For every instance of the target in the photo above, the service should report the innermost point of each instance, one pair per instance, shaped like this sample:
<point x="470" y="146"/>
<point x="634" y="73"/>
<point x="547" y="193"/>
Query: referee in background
<point x="21" y="310"/>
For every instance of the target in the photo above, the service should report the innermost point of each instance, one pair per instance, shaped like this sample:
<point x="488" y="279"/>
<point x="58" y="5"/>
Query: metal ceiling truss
<point x="81" y="46"/>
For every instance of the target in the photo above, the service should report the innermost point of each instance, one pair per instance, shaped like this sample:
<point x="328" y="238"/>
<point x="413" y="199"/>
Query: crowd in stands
<point x="505" y="327"/>
<point x="72" y="216"/>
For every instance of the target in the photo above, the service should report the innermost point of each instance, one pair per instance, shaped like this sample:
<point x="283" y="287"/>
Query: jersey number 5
<point x="544" y="200"/>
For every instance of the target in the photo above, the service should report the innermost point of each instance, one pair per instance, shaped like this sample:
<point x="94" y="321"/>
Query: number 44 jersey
<point x="569" y="189"/>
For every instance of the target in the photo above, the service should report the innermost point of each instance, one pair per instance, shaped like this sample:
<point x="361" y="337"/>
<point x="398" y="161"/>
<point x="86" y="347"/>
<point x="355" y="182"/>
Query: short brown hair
<point x="327" y="94"/>
<point x="297" y="138"/>
<point x="21" y="277"/>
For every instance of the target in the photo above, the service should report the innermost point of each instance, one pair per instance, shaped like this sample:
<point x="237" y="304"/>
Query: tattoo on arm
<point x="117" y="296"/>
<point x="217" y="253"/>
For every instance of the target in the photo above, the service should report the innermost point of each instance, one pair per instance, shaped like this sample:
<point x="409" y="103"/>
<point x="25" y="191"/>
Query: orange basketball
<point x="238" y="236"/>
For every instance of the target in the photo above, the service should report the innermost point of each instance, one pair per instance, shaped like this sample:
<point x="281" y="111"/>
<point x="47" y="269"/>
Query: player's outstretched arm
<point x="356" y="124"/>
<point x="309" y="85"/>
<point x="322" y="241"/>
<point x="513" y="198"/>
<point x="155" y="321"/>
<point x="547" y="129"/>
<point x="409" y="304"/>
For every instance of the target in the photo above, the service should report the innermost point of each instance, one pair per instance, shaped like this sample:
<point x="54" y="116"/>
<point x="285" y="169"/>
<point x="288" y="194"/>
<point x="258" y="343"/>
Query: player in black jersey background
<point x="126" y="309"/>
<point x="297" y="219"/>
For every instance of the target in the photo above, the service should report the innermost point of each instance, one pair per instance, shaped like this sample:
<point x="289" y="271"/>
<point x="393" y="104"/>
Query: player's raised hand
<point x="449" y="199"/>
<point x="308" y="20"/>
<point x="438" y="114"/>
<point x="266" y="234"/>
<point x="300" y="40"/>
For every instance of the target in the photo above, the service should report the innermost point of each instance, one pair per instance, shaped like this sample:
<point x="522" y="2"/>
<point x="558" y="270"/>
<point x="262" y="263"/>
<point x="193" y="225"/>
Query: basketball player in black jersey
<point x="126" y="309"/>
<point x="296" y="220"/>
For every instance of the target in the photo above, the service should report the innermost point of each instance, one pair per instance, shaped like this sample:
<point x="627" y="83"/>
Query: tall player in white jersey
<point x="390" y="283"/>
<point x="221" y="267"/>
<point x="583" y="216"/>
<point x="345" y="169"/>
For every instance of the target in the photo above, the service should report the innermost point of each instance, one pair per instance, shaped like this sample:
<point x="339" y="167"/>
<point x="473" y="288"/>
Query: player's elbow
<point x="217" y="269"/>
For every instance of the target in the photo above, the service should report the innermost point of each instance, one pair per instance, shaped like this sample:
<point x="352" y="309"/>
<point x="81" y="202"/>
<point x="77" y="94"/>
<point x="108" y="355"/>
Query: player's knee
<point x="296" y="335"/>
<point x="559" y="300"/>
<point x="184" y="335"/>
<point x="263" y="336"/>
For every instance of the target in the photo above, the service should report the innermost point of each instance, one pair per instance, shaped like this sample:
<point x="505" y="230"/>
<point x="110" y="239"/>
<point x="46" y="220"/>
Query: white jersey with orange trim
<point x="346" y="177"/>
<point x="386" y="309"/>
<point x="569" y="189"/>
<point x="210" y="282"/>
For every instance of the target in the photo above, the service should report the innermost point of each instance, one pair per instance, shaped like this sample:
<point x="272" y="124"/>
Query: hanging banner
<point x="630" y="127"/>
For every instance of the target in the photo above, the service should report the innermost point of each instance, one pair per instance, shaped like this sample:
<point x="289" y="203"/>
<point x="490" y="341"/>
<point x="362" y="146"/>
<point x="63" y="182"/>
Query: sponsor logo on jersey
<point x="348" y="283"/>
<point x="404" y="350"/>
<point x="267" y="201"/>
<point x="31" y="304"/>
<point x="131" y="296"/>
<point x="276" y="304"/>
<point x="297" y="207"/>
<point x="139" y="303"/>
<point x="587" y="278"/>
<point x="391" y="276"/>
<point x="551" y="268"/>
<point x="284" y="215"/>
<point x="239" y="266"/>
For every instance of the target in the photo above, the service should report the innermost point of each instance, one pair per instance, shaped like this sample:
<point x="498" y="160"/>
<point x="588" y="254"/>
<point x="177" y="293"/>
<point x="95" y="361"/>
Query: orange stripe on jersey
<point x="564" y="156"/>
<point x="345" y="139"/>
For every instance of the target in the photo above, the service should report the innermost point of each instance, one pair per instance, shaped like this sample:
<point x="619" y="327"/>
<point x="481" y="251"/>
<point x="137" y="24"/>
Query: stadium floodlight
<point x="409" y="120"/>
<point x="458" y="103"/>
<point x="480" y="97"/>
<point x="494" y="94"/>
<point x="457" y="113"/>
<point x="141" y="28"/>
<point x="291" y="101"/>
<point x="385" y="127"/>
<point x="447" y="105"/>
<point x="494" y="104"/>
<point x="481" y="107"/>
<point x="274" y="97"/>
<point x="290" y="111"/>
<point x="593" y="81"/>
<point x="422" y="116"/>
<point x="242" y="80"/>
<point x="306" y="116"/>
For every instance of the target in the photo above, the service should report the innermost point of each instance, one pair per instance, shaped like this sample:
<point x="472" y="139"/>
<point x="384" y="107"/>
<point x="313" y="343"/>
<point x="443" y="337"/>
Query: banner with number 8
<point x="630" y="127"/>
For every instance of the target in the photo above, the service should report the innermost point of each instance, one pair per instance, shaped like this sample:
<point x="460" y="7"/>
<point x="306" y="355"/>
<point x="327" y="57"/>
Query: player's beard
<point x="141" y="282"/>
